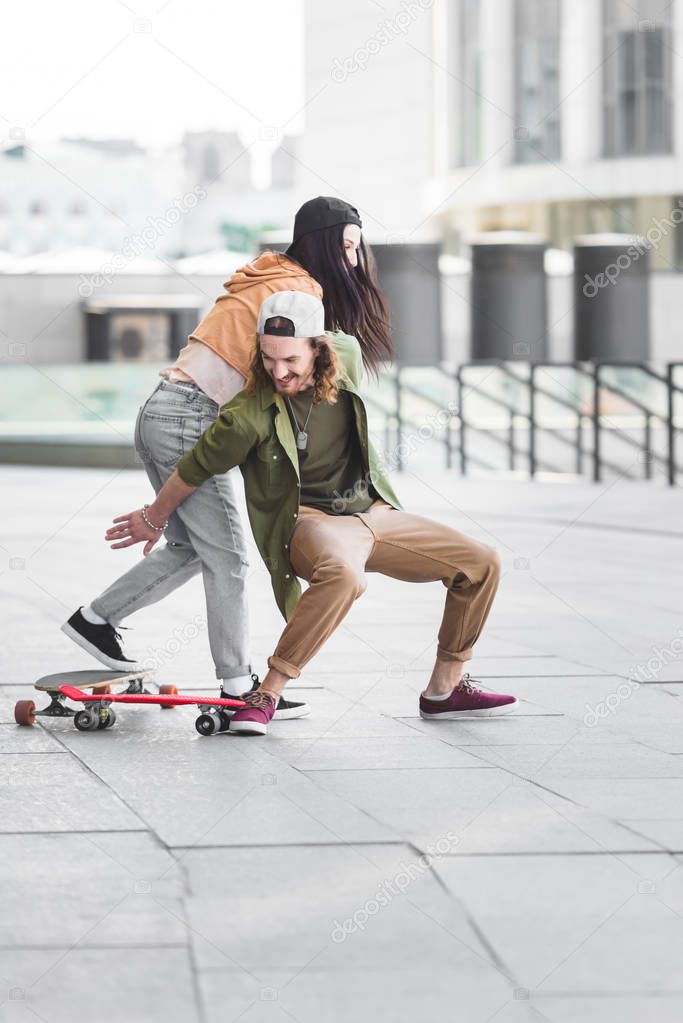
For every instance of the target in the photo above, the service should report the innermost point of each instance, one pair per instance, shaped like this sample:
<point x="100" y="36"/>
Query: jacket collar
<point x="269" y="396"/>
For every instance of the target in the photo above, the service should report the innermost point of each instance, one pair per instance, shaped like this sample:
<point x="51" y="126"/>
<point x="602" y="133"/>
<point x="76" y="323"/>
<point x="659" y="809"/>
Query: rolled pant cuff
<point x="284" y="666"/>
<point x="446" y="655"/>
<point x="111" y="619"/>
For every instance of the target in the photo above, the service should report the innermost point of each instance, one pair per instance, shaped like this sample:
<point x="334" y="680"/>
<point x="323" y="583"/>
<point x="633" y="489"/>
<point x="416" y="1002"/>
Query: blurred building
<point x="369" y="101"/>
<point x="233" y="211"/>
<point x="169" y="202"/>
<point x="83" y="192"/>
<point x="445" y="118"/>
<point x="561" y="117"/>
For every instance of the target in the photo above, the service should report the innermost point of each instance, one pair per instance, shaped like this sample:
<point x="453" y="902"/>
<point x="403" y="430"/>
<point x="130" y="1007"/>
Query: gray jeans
<point x="204" y="534"/>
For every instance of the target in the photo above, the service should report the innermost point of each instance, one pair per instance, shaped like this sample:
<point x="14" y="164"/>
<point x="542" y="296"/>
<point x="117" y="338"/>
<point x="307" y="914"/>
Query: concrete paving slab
<point x="56" y="793"/>
<point x="397" y="691"/>
<point x="478" y="808"/>
<point x="612" y="760"/>
<point x="106" y="984"/>
<point x="551" y="817"/>
<point x="329" y="997"/>
<point x="668" y="834"/>
<point x="331" y="754"/>
<point x="27" y="740"/>
<point x="657" y="798"/>
<point x="572" y="906"/>
<point x="521" y="728"/>
<point x="561" y="1008"/>
<point x="88" y="889"/>
<point x="169" y="780"/>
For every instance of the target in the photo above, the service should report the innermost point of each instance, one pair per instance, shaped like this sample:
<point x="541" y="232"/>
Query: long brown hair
<point x="352" y="296"/>
<point x="327" y="367"/>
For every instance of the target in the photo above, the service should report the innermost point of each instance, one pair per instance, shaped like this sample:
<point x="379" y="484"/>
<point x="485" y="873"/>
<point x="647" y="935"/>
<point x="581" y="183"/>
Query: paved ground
<point x="151" y="875"/>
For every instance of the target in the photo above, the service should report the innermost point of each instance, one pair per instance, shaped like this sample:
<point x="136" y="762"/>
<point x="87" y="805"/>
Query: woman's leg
<point x="168" y="566"/>
<point x="205" y="534"/>
<point x="153" y="577"/>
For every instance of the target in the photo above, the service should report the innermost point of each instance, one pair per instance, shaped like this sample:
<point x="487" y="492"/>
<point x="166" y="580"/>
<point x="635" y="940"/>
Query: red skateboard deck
<point x="160" y="699"/>
<point x="96" y="713"/>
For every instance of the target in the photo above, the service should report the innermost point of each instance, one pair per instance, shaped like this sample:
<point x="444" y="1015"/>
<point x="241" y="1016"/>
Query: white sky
<point x="78" y="67"/>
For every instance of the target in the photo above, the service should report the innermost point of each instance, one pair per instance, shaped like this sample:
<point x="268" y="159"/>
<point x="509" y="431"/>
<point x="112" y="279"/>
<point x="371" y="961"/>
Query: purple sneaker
<point x="253" y="718"/>
<point x="466" y="701"/>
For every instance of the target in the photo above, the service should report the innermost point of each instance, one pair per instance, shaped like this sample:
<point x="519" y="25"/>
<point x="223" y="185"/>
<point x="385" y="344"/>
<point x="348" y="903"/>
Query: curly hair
<point x="327" y="368"/>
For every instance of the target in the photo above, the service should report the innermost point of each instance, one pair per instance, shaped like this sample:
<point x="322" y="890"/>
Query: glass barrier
<point x="96" y="401"/>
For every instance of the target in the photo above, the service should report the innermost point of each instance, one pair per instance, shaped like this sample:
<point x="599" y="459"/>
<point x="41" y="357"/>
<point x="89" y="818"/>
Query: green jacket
<point x="254" y="432"/>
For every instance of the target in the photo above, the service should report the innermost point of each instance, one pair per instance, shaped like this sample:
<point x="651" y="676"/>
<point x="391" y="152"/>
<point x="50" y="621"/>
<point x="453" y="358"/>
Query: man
<point x="321" y="509"/>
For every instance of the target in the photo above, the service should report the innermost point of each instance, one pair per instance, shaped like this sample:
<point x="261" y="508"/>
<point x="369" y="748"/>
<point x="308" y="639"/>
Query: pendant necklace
<point x="301" y="435"/>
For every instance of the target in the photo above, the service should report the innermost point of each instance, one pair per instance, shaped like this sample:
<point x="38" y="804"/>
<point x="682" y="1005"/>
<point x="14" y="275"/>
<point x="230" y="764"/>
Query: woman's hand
<point x="130" y="529"/>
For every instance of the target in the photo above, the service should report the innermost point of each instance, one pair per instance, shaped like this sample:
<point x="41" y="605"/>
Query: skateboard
<point x="98" y="714"/>
<point x="98" y="681"/>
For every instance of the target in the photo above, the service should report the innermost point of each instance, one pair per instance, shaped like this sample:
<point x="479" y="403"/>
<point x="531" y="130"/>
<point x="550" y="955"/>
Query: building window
<point x="637" y="77"/>
<point x="537" y="80"/>
<point x="469" y="65"/>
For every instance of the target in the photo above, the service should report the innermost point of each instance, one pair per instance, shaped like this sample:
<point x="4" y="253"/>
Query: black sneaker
<point x="102" y="641"/>
<point x="286" y="709"/>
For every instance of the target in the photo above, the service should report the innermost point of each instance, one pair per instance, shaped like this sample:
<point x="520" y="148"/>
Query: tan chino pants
<point x="334" y="552"/>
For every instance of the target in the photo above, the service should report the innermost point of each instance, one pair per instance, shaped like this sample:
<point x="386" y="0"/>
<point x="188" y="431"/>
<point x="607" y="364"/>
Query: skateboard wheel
<point x="206" y="724"/>
<point x="167" y="690"/>
<point x="109" y="720"/>
<point x="85" y="721"/>
<point x="25" y="712"/>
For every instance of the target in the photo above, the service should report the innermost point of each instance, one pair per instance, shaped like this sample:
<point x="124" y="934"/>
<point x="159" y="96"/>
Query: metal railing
<point x="518" y="416"/>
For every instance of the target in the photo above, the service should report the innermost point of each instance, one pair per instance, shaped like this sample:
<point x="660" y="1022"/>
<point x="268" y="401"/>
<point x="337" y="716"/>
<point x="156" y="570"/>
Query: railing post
<point x="596" y="422"/>
<point x="671" y="430"/>
<point x="532" y="420"/>
<point x="647" y="444"/>
<point x="461" y="413"/>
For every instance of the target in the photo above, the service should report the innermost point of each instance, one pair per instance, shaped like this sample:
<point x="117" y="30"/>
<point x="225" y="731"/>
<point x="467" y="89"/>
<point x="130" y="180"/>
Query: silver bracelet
<point x="157" y="529"/>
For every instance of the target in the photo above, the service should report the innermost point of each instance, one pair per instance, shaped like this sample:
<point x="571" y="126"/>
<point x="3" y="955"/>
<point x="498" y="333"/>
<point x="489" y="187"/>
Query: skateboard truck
<point x="99" y="681"/>
<point x="56" y="708"/>
<point x="137" y="686"/>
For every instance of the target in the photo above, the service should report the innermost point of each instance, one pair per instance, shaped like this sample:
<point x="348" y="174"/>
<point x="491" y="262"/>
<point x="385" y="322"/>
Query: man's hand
<point x="130" y="529"/>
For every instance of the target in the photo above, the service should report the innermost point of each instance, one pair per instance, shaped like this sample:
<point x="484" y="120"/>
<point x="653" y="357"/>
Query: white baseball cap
<point x="306" y="312"/>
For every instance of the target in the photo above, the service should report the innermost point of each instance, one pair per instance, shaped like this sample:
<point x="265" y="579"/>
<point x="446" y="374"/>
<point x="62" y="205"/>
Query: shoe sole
<point x="280" y="715"/>
<point x="109" y="662"/>
<point x="459" y="715"/>
<point x="291" y="713"/>
<point x="248" y="728"/>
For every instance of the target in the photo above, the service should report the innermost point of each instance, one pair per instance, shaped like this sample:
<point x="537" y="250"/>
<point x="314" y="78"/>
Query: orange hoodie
<point x="229" y="328"/>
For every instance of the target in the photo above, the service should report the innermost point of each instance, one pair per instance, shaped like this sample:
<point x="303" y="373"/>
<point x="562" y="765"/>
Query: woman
<point x="328" y="259"/>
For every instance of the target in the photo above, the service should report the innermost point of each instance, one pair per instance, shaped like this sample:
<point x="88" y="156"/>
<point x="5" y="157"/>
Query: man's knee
<point x="493" y="562"/>
<point x="484" y="564"/>
<point x="344" y="576"/>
